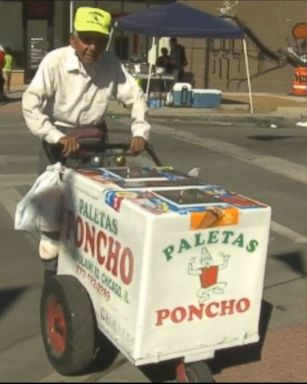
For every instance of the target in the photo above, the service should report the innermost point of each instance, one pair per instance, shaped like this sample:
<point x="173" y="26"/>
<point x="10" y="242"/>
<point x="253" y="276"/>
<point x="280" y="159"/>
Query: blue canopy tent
<point x="180" y="20"/>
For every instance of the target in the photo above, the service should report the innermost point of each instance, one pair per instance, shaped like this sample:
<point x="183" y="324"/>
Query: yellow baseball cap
<point x="89" y="19"/>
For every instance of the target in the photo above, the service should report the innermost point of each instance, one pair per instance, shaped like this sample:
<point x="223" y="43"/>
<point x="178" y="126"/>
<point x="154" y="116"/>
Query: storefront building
<point x="32" y="28"/>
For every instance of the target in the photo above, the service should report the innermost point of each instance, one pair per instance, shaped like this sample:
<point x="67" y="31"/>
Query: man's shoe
<point x="50" y="268"/>
<point x="48" y="274"/>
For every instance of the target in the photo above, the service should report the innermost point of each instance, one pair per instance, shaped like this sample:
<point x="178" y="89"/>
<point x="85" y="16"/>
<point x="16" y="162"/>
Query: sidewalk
<point x="281" y="359"/>
<point x="280" y="356"/>
<point x="269" y="109"/>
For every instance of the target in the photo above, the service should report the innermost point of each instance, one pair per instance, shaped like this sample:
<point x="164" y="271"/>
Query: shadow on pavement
<point x="234" y="102"/>
<point x="106" y="355"/>
<point x="294" y="260"/>
<point x="246" y="353"/>
<point x="9" y="100"/>
<point x="160" y="372"/>
<point x="8" y="297"/>
<point x="165" y="371"/>
<point x="269" y="137"/>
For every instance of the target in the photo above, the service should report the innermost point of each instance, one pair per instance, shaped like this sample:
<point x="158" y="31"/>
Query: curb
<point x="210" y="118"/>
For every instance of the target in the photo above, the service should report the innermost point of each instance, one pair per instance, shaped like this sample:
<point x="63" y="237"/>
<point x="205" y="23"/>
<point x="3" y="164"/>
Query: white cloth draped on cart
<point x="40" y="209"/>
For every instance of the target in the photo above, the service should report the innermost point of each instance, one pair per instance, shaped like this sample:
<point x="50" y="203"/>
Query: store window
<point x="11" y="32"/>
<point x="38" y="22"/>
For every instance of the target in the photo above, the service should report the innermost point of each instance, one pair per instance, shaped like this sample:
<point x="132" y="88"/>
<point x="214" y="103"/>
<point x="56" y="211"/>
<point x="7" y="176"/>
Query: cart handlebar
<point x="91" y="147"/>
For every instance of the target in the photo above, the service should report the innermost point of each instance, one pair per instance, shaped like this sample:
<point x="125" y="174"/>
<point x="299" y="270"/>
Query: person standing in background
<point x="2" y="81"/>
<point x="164" y="61"/>
<point x="178" y="58"/>
<point x="7" y="69"/>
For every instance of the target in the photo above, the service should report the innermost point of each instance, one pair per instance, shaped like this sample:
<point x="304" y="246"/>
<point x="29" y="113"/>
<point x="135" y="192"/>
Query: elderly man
<point x="72" y="88"/>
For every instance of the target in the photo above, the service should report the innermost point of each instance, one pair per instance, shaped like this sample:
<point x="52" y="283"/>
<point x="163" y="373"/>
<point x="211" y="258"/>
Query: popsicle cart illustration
<point x="164" y="265"/>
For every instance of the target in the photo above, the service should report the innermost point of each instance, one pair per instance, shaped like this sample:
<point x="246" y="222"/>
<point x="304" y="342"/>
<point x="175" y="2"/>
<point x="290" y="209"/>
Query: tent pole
<point x="150" y="69"/>
<point x="110" y="38"/>
<point x="71" y="16"/>
<point x="251" y="108"/>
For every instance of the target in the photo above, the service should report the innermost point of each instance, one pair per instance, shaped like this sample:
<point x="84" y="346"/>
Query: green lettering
<point x="198" y="241"/>
<point x="227" y="235"/>
<point x="108" y="224"/>
<point x="239" y="241"/>
<point x="168" y="252"/>
<point x="89" y="214"/>
<point x="252" y="245"/>
<point x="184" y="246"/>
<point x="114" y="226"/>
<point x="213" y="237"/>
<point x="102" y="219"/>
<point x="96" y="217"/>
<point x="85" y="213"/>
<point x="81" y="205"/>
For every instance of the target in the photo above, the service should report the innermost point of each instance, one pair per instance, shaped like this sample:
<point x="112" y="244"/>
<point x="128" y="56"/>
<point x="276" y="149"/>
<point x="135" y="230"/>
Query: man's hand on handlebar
<point x="137" y="145"/>
<point x="70" y="145"/>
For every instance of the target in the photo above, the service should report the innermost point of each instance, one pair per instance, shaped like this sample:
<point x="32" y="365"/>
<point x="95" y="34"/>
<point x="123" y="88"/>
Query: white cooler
<point x="174" y="267"/>
<point x="206" y="98"/>
<point x="182" y="95"/>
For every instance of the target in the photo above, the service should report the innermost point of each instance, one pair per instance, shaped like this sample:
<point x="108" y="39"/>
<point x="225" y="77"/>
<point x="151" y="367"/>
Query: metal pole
<point x="150" y="70"/>
<point x="207" y="61"/>
<point x="111" y="37"/>
<point x="251" y="108"/>
<point x="71" y="15"/>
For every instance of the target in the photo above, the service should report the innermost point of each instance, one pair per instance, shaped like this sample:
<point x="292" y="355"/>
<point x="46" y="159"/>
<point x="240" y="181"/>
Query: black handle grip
<point x="92" y="145"/>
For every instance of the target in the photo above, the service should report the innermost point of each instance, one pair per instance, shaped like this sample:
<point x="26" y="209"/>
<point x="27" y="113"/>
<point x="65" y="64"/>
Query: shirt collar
<point x="72" y="63"/>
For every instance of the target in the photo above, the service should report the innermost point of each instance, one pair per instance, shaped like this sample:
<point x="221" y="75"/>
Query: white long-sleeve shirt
<point x="65" y="93"/>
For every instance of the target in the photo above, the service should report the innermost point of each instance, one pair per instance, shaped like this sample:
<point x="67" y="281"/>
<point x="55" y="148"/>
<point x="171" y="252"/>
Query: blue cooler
<point x="206" y="98"/>
<point x="182" y="95"/>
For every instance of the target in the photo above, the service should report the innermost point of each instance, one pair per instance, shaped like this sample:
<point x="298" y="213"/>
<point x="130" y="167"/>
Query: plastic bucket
<point x="299" y="87"/>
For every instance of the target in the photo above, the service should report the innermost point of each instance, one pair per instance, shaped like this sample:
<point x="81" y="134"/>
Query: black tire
<point x="68" y="325"/>
<point x="197" y="372"/>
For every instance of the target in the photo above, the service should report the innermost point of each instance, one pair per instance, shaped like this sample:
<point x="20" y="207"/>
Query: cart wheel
<point x="68" y="324"/>
<point x="197" y="372"/>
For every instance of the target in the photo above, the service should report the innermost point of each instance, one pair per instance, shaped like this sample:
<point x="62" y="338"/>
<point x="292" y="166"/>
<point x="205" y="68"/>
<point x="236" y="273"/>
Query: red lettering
<point x="101" y="237"/>
<point x="227" y="307"/>
<point x="79" y="232"/>
<point x="195" y="311"/>
<point x="208" y="311"/>
<point x="178" y="314"/>
<point x="108" y="251"/>
<point x="90" y="238"/>
<point x="126" y="266"/>
<point x="243" y="305"/>
<point x="112" y="256"/>
<point x="162" y="314"/>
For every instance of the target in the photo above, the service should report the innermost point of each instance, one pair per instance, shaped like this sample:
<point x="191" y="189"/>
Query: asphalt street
<point x="267" y="164"/>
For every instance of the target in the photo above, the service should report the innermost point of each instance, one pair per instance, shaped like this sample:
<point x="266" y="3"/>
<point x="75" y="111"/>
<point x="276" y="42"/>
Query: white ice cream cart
<point x="165" y="265"/>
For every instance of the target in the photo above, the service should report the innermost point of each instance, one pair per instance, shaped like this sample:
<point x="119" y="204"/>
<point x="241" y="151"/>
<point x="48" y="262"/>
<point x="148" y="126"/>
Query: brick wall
<point x="270" y="24"/>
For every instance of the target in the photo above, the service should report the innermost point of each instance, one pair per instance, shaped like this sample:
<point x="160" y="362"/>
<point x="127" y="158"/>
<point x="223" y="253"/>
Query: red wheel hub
<point x="181" y="372"/>
<point x="56" y="326"/>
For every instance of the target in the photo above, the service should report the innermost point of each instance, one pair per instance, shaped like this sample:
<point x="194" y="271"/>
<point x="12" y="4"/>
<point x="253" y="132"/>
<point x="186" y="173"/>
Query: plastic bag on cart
<point x="40" y="209"/>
